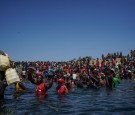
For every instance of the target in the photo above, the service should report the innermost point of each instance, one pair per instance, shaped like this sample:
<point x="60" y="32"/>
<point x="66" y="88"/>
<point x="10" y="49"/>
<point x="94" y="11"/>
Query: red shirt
<point x="62" y="90"/>
<point x="40" y="89"/>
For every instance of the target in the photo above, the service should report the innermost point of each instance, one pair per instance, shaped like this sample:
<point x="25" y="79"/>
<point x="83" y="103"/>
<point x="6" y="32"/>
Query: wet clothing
<point x="62" y="89"/>
<point x="115" y="81"/>
<point x="40" y="89"/>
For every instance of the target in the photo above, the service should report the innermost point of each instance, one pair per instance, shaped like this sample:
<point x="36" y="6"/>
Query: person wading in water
<point x="37" y="79"/>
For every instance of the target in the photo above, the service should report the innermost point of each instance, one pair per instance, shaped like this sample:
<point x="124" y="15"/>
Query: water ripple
<point x="119" y="101"/>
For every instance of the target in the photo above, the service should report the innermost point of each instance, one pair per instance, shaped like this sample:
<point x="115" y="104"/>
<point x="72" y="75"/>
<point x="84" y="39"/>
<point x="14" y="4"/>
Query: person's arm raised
<point x="22" y="86"/>
<point x="49" y="85"/>
<point x="30" y="72"/>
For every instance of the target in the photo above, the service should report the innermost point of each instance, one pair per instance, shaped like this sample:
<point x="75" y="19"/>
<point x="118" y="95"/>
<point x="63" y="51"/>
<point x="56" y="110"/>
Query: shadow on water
<point x="118" y="101"/>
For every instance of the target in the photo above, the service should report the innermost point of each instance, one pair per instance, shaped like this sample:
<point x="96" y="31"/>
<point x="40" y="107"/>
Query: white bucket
<point x="4" y="62"/>
<point x="11" y="76"/>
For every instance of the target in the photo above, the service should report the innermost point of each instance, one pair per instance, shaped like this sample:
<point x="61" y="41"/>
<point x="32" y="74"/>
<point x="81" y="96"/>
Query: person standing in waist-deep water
<point x="37" y="79"/>
<point x="61" y="88"/>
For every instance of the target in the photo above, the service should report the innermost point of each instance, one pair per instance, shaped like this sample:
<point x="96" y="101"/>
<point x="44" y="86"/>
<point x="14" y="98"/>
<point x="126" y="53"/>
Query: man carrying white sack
<point x="8" y="75"/>
<point x="3" y="83"/>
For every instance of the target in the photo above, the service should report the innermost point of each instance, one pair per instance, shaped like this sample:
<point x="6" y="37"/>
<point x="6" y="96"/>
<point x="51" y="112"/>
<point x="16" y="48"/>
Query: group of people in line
<point x="81" y="73"/>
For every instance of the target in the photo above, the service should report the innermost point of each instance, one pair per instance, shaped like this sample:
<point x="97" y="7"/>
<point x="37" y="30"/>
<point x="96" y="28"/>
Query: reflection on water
<point x="119" y="101"/>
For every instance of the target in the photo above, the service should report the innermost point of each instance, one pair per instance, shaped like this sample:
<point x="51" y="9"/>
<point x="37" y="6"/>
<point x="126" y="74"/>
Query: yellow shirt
<point x="18" y="88"/>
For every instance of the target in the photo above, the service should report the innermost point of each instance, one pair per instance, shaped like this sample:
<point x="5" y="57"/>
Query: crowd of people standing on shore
<point x="82" y="73"/>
